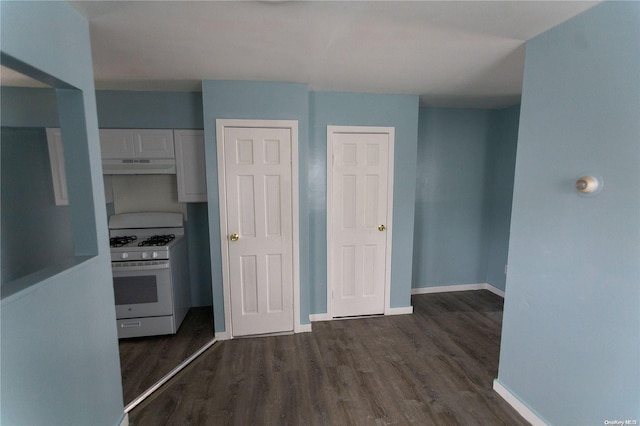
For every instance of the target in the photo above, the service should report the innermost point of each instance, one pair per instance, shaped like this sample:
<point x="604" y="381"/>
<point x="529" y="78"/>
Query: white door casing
<point x="359" y="219"/>
<point x="258" y="193"/>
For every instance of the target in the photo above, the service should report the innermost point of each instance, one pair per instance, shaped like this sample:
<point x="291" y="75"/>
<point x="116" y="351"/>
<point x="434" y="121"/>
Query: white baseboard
<point x="125" y="420"/>
<point x="494" y="290"/>
<point x="302" y="328"/>
<point x="518" y="405"/>
<point x="458" y="287"/>
<point x="390" y="311"/>
<point x="404" y="310"/>
<point x="320" y="317"/>
<point x="297" y="328"/>
<point x="222" y="335"/>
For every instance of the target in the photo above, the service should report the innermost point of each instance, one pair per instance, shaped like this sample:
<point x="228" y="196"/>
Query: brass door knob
<point x="234" y="237"/>
<point x="381" y="228"/>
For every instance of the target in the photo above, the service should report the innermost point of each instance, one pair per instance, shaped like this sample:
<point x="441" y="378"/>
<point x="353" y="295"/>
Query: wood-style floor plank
<point x="145" y="360"/>
<point x="435" y="367"/>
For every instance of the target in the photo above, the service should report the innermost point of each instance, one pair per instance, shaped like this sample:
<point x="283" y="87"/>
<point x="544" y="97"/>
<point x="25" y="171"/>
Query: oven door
<point x="142" y="290"/>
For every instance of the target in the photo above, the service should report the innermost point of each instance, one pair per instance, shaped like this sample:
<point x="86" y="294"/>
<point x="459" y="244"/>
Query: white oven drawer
<point x="151" y="326"/>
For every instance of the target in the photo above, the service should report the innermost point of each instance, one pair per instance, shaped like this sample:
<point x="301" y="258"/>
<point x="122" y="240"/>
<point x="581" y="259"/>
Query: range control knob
<point x="124" y="255"/>
<point x="145" y="255"/>
<point x="154" y="255"/>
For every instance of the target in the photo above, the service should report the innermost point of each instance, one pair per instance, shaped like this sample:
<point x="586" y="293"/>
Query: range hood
<point x="137" y="151"/>
<point x="139" y="166"/>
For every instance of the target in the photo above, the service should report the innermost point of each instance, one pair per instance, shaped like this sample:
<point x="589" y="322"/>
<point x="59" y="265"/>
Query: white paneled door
<point x="258" y="179"/>
<point x="359" y="219"/>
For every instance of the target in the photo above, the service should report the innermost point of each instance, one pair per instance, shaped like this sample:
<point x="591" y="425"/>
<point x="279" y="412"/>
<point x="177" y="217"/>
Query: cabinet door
<point x="153" y="143"/>
<point x="58" y="174"/>
<point x="116" y="143"/>
<point x="190" y="166"/>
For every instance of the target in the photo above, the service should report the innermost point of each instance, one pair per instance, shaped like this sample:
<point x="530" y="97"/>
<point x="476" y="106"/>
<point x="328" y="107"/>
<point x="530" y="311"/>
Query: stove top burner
<point x="157" y="240"/>
<point x="121" y="241"/>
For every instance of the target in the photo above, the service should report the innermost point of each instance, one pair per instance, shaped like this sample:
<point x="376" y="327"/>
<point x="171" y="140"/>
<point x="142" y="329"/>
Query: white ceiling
<point x="451" y="53"/>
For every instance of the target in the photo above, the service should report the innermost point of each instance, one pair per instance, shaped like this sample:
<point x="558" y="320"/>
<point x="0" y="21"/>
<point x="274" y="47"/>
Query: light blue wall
<point x="501" y="161"/>
<point x="452" y="170"/>
<point x="465" y="161"/>
<point x="571" y="327"/>
<point x="262" y="100"/>
<point x="28" y="107"/>
<point x="31" y="222"/>
<point x="197" y="230"/>
<point x="120" y="109"/>
<point x="359" y="109"/>
<point x="255" y="100"/>
<point x="60" y="362"/>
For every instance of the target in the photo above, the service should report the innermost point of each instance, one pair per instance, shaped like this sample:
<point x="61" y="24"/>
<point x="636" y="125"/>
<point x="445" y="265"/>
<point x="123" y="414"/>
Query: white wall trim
<point x="423" y="290"/>
<point x="125" y="420"/>
<point x="494" y="290"/>
<point x="223" y="335"/>
<point x="390" y="131"/>
<point x="518" y="405"/>
<point x="295" y="215"/>
<point x="320" y="317"/>
<point x="304" y="328"/>
<point x="458" y="287"/>
<point x="404" y="310"/>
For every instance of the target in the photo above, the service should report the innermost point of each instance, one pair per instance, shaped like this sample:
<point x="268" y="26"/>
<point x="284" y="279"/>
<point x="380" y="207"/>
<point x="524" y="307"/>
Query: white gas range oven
<point x="150" y="272"/>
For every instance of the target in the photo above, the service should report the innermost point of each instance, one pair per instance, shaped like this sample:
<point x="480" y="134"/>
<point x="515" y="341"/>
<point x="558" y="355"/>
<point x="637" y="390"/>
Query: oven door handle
<point x="139" y="267"/>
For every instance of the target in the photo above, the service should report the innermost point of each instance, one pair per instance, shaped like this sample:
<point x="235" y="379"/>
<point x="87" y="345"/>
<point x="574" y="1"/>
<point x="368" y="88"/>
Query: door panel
<point x="359" y="204"/>
<point x="249" y="284"/>
<point x="259" y="209"/>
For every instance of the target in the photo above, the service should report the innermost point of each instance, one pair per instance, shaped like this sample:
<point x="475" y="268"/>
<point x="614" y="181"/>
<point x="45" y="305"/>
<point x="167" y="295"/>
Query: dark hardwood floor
<point x="145" y="360"/>
<point x="435" y="367"/>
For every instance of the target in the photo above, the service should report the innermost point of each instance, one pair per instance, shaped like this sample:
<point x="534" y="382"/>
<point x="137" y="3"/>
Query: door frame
<point x="292" y="125"/>
<point x="390" y="131"/>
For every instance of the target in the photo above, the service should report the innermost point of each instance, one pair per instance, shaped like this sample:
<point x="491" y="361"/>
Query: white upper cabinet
<point x="116" y="143"/>
<point x="190" y="166"/>
<point x="136" y="143"/>
<point x="153" y="143"/>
